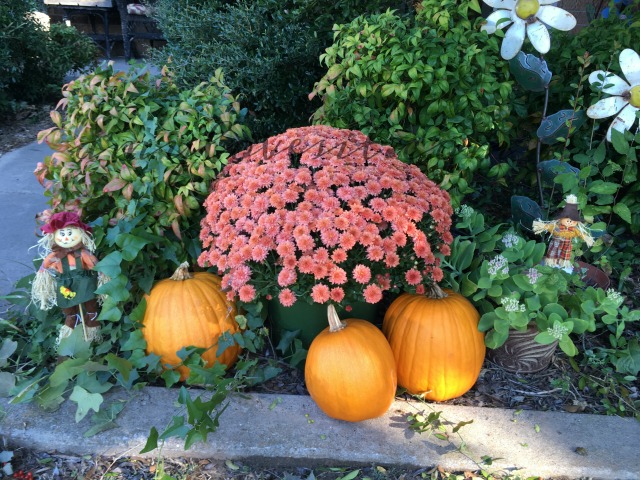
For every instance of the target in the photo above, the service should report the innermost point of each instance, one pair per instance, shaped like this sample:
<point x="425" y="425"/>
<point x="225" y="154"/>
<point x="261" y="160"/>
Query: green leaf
<point x="130" y="246"/>
<point x="110" y="265"/>
<point x="6" y="350"/>
<point x="622" y="211"/>
<point x="618" y="141"/>
<point x="86" y="401"/>
<point x="123" y="366"/>
<point x="74" y="345"/>
<point x="7" y="382"/>
<point x="152" y="441"/>
<point x="604" y="188"/>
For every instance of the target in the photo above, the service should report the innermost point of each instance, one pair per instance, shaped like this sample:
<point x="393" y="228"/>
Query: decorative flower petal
<point x="539" y="36"/>
<point x="556" y="18"/>
<point x="510" y="4"/>
<point x="630" y="66"/>
<point x="624" y="121"/>
<point x="606" y="107"/>
<point x="494" y="23"/>
<point x="513" y="40"/>
<point x="613" y="84"/>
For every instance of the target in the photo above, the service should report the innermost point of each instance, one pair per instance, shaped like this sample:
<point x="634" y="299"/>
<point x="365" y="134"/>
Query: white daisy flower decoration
<point x="625" y="96"/>
<point x="526" y="17"/>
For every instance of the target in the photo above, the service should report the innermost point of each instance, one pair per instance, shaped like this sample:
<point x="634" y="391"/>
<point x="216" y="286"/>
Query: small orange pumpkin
<point x="189" y="310"/>
<point x="350" y="372"/>
<point x="438" y="348"/>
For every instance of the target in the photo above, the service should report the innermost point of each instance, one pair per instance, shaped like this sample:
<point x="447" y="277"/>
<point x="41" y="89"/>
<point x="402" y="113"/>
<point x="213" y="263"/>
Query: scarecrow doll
<point x="66" y="277"/>
<point x="567" y="225"/>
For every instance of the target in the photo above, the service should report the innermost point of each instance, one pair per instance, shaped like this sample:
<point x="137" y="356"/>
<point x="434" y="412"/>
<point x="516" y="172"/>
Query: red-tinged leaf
<point x="40" y="172"/>
<point x="127" y="192"/>
<point x="195" y="145"/>
<point x="43" y="134"/>
<point x="177" y="201"/>
<point x="95" y="80"/>
<point x="201" y="170"/>
<point x="166" y="137"/>
<point x="181" y="131"/>
<point x="84" y="162"/>
<point x="59" y="157"/>
<point x="106" y="155"/>
<point x="114" y="185"/>
<point x="113" y="112"/>
<point x="56" y="118"/>
<point x="176" y="229"/>
<point x="212" y="150"/>
<point x="63" y="102"/>
<point x="168" y="174"/>
<point x="87" y="179"/>
<point x="88" y="106"/>
<point x="100" y="121"/>
<point x="131" y="88"/>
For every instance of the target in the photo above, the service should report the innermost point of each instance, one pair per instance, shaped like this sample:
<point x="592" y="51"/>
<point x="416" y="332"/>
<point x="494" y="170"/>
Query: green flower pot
<point x="310" y="319"/>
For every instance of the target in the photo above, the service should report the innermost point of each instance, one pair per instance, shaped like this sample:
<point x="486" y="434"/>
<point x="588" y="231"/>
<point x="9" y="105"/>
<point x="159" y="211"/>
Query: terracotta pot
<point x="593" y="276"/>
<point x="521" y="353"/>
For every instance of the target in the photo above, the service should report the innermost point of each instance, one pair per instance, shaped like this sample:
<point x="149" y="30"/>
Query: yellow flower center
<point x="634" y="96"/>
<point x="527" y="8"/>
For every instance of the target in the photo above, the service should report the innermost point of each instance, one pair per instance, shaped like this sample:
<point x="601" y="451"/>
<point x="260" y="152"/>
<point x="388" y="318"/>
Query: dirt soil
<point x="22" y="128"/>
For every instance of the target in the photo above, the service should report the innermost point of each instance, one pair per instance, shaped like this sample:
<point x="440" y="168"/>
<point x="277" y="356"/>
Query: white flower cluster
<point x="512" y="304"/>
<point x="615" y="296"/>
<point x="533" y="275"/>
<point x="464" y="211"/>
<point x="510" y="240"/>
<point x="558" y="331"/>
<point x="498" y="265"/>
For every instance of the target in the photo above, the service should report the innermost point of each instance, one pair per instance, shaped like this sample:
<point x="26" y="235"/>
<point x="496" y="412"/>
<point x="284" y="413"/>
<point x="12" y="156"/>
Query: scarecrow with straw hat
<point x="66" y="277"/>
<point x="567" y="225"/>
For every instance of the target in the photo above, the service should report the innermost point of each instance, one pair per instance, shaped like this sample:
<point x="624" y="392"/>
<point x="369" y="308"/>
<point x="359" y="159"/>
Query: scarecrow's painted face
<point x="68" y="237"/>
<point x="567" y="222"/>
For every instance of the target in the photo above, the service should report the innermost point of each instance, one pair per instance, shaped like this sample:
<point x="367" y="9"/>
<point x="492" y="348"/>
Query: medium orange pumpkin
<point x="350" y="372"/>
<point x="189" y="310"/>
<point x="438" y="348"/>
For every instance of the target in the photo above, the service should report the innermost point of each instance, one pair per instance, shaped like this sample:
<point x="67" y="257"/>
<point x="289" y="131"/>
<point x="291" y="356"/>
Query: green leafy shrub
<point x="136" y="155"/>
<point x="33" y="60"/>
<point x="268" y="50"/>
<point x="434" y="88"/>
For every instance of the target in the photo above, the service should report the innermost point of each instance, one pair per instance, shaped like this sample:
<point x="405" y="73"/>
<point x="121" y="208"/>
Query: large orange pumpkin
<point x="189" y="310"/>
<point x="438" y="348"/>
<point x="350" y="372"/>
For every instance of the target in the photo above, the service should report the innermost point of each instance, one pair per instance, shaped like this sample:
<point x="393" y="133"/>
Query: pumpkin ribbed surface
<point x="436" y="344"/>
<point x="351" y="373"/>
<point x="189" y="312"/>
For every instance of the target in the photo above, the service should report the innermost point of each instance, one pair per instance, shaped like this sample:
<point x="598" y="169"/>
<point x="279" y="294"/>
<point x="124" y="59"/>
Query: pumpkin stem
<point x="182" y="272"/>
<point x="436" y="292"/>
<point x="335" y="324"/>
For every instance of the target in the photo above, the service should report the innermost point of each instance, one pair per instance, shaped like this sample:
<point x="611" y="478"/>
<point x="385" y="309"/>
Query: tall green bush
<point x="268" y="50"/>
<point x="434" y="88"/>
<point x="136" y="156"/>
<point x="34" y="60"/>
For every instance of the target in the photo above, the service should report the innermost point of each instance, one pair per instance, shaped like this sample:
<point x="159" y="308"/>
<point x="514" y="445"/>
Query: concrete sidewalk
<point x="291" y="429"/>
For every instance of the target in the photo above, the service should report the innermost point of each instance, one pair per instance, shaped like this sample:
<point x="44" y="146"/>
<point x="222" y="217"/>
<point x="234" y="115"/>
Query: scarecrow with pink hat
<point x="567" y="226"/>
<point x="66" y="277"/>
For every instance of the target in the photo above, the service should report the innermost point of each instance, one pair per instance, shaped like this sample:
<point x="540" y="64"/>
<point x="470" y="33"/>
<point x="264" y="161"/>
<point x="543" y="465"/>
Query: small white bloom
<point x="464" y="211"/>
<point x="530" y="18"/>
<point x="498" y="264"/>
<point x="625" y="95"/>
<point x="510" y="240"/>
<point x="512" y="304"/>
<point x="533" y="275"/>
<point x="615" y="296"/>
<point x="558" y="331"/>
